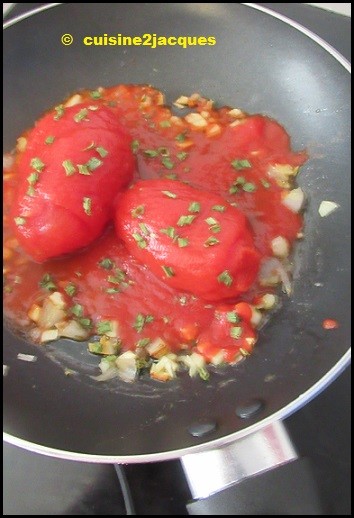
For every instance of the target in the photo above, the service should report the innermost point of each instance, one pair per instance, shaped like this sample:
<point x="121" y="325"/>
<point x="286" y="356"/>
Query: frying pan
<point x="263" y="65"/>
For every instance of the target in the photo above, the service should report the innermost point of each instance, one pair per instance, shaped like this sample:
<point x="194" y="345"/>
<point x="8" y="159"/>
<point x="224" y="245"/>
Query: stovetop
<point x="38" y="485"/>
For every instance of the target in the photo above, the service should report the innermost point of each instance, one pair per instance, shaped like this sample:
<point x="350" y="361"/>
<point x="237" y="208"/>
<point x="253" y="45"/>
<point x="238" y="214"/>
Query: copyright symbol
<point x="67" y="39"/>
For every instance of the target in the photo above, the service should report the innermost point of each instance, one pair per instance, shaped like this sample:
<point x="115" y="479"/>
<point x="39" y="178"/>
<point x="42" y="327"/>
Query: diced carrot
<point x="244" y="310"/>
<point x="189" y="332"/>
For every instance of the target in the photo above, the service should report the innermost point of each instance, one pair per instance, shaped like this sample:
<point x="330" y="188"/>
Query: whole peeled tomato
<point x="74" y="163"/>
<point x="193" y="240"/>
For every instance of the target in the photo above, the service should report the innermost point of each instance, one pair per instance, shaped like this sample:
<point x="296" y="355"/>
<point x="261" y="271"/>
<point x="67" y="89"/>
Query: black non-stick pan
<point x="262" y="64"/>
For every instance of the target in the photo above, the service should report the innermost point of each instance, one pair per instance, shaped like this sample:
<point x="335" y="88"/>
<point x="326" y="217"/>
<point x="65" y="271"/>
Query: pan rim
<point x="307" y="32"/>
<point x="284" y="412"/>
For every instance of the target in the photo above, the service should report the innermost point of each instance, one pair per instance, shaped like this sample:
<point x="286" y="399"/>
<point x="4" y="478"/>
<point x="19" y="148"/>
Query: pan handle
<point x="260" y="474"/>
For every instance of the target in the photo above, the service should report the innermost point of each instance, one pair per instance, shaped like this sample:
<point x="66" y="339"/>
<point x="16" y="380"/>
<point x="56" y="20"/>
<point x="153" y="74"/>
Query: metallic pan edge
<point x="302" y="400"/>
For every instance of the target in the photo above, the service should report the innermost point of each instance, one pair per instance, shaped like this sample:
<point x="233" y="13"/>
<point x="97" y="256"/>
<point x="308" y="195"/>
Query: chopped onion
<point x="272" y="271"/>
<point x="282" y="170"/>
<point x="294" y="199"/>
<point x="280" y="246"/>
<point x="236" y="112"/>
<point x="107" y="363"/>
<point x="327" y="207"/>
<point x="109" y="345"/>
<point x="269" y="272"/>
<point x="35" y="334"/>
<point x="218" y="359"/>
<point x="238" y="358"/>
<point x="285" y="279"/>
<point x="165" y="369"/>
<point x="269" y="300"/>
<point x="26" y="357"/>
<point x="69" y="372"/>
<point x="50" y="315"/>
<point x="21" y="144"/>
<point x="73" y="330"/>
<point x="195" y="362"/>
<point x="34" y="312"/>
<point x="160" y="99"/>
<point x="57" y="299"/>
<point x="181" y="101"/>
<point x="281" y="173"/>
<point x="157" y="348"/>
<point x="126" y="365"/>
<point x="196" y="120"/>
<point x="7" y="161"/>
<point x="73" y="101"/>
<point x="251" y="341"/>
<point x="256" y="317"/>
<point x="49" y="335"/>
<point x="109" y="374"/>
<point x="237" y="122"/>
<point x="114" y="332"/>
<point x="213" y="130"/>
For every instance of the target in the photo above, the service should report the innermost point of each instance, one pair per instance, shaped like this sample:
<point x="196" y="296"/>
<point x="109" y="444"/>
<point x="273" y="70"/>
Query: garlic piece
<point x="327" y="207"/>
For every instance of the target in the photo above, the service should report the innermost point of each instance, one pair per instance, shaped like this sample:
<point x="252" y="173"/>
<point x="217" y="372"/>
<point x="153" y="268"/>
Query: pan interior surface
<point x="262" y="65"/>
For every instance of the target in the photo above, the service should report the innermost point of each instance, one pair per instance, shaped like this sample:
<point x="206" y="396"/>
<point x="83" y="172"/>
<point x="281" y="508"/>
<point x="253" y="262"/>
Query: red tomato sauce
<point x="229" y="156"/>
<point x="330" y="323"/>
